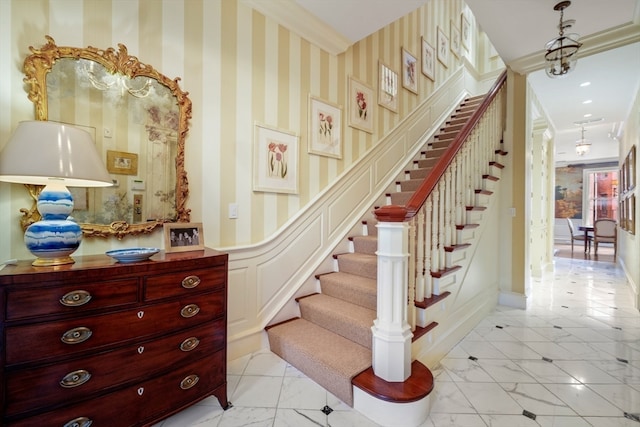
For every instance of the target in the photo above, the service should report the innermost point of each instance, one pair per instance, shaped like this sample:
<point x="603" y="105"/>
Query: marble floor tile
<point x="490" y="398"/>
<point x="465" y="370"/>
<point x="537" y="399"/>
<point x="546" y="372"/>
<point x="586" y="372"/>
<point x="257" y="391"/>
<point x="623" y="396"/>
<point x="583" y="400"/>
<point x="448" y="399"/>
<point x="456" y="420"/>
<point x="508" y="421"/>
<point x="301" y="393"/>
<point x="502" y="370"/>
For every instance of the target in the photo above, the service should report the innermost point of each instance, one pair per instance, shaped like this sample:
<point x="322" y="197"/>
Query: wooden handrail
<point x="395" y="213"/>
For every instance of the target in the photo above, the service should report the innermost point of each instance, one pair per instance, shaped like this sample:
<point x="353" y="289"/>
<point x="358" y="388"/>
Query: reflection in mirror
<point x="139" y="120"/>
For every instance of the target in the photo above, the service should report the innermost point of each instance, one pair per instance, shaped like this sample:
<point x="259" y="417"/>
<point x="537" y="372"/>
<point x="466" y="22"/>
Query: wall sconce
<point x="55" y="155"/>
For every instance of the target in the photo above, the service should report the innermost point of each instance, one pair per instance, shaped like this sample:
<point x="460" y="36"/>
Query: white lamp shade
<point x="40" y="152"/>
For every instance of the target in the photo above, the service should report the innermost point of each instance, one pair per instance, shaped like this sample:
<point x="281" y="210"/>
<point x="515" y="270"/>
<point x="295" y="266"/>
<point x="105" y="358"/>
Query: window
<point x="601" y="195"/>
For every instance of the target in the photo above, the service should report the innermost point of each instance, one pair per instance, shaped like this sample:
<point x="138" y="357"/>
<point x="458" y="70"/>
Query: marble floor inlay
<point x="572" y="359"/>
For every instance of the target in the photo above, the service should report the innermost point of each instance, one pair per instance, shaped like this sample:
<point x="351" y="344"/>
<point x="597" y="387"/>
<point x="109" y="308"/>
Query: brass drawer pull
<point x="75" y="378"/>
<point x="189" y="344"/>
<point x="190" y="282"/>
<point x="75" y="298"/>
<point x="189" y="310"/>
<point x="76" y="335"/>
<point x="79" y="422"/>
<point x="189" y="382"/>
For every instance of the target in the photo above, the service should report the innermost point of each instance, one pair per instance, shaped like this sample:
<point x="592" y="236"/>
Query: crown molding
<point x="300" y="21"/>
<point x="595" y="43"/>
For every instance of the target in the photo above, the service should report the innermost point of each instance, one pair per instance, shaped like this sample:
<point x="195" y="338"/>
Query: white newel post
<point x="391" y="331"/>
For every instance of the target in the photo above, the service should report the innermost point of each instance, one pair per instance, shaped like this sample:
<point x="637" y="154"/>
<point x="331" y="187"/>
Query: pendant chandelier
<point x="561" y="55"/>
<point x="582" y="146"/>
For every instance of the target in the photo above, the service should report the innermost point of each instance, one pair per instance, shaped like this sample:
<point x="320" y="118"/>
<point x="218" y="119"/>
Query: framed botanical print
<point x="360" y="105"/>
<point x="443" y="48"/>
<point x="409" y="71"/>
<point x="275" y="160"/>
<point x="325" y="128"/>
<point x="455" y="40"/>
<point x="428" y="60"/>
<point x="465" y="30"/>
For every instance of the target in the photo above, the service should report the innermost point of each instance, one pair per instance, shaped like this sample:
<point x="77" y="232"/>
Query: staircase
<point x="331" y="341"/>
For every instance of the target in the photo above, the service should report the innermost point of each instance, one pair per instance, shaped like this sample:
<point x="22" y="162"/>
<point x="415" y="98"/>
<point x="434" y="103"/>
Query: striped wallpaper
<point x="240" y="68"/>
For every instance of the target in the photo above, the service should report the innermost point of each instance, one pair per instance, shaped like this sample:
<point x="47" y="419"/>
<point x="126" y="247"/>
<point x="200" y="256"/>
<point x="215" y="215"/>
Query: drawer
<point x="184" y="283"/>
<point x="100" y="332"/>
<point x="141" y="403"/>
<point x="29" y="389"/>
<point x="25" y="303"/>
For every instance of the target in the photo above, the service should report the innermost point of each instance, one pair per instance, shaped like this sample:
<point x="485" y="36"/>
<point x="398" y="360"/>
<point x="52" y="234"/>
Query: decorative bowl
<point x="132" y="254"/>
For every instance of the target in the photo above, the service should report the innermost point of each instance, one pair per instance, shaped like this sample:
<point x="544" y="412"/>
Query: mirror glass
<point x="138" y="119"/>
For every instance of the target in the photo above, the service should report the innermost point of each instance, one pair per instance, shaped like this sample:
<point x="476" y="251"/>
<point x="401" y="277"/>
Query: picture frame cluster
<point x="275" y="157"/>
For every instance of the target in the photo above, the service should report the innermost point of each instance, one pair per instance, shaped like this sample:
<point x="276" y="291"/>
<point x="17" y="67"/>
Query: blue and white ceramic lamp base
<point x="54" y="238"/>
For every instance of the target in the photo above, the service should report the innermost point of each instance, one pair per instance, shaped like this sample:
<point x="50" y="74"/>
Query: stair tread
<point x="327" y="358"/>
<point x="350" y="287"/>
<point x="362" y="264"/>
<point x="342" y="317"/>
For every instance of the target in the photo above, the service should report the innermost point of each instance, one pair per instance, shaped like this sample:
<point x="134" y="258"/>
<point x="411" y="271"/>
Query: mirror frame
<point x="39" y="64"/>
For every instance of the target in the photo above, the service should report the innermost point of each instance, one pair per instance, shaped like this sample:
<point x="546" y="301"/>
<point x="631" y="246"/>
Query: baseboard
<point x="513" y="299"/>
<point x="247" y="344"/>
<point x="437" y="343"/>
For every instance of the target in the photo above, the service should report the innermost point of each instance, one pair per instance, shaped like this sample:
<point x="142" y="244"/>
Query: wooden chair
<point x="605" y="231"/>
<point x="577" y="236"/>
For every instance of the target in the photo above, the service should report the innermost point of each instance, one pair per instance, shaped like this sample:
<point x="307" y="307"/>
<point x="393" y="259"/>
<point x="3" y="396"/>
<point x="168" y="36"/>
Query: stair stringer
<point x="473" y="292"/>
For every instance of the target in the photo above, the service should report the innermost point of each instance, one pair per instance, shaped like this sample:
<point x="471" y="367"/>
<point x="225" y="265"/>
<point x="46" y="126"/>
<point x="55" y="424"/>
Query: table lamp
<point x="55" y="155"/>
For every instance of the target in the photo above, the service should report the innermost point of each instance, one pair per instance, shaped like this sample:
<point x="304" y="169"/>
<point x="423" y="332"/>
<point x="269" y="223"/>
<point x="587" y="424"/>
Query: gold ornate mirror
<point x="139" y="119"/>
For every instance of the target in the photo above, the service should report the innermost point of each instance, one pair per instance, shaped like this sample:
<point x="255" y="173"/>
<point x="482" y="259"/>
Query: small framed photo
<point x="455" y="40"/>
<point x="409" y="71"/>
<point x="183" y="236"/>
<point x="428" y="60"/>
<point x="465" y="30"/>
<point x="443" y="48"/>
<point x="120" y="162"/>
<point x="325" y="128"/>
<point x="275" y="160"/>
<point x="360" y="105"/>
<point x="387" y="87"/>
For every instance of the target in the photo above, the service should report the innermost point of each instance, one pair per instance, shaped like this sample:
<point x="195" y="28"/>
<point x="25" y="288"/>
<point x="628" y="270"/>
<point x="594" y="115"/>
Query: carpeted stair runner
<point x="331" y="342"/>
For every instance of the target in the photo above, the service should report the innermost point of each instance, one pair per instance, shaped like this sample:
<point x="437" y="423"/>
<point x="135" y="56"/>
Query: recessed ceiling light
<point x="585" y="84"/>
<point x="588" y="101"/>
<point x="588" y="115"/>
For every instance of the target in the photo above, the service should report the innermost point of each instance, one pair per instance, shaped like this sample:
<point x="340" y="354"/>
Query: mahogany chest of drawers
<point x="103" y="343"/>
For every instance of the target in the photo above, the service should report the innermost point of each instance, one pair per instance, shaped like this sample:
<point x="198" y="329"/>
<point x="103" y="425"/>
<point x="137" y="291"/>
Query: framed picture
<point x="455" y="40"/>
<point x="275" y="160"/>
<point x="183" y="236"/>
<point x="360" y="105"/>
<point x="387" y="87"/>
<point x="325" y="128"/>
<point x="122" y="163"/>
<point x="409" y="71"/>
<point x="428" y="60"/>
<point x="631" y="170"/>
<point x="443" y="48"/>
<point x="80" y="198"/>
<point x="465" y="30"/>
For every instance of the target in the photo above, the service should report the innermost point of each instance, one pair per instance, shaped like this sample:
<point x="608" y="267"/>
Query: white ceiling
<point x="519" y="30"/>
